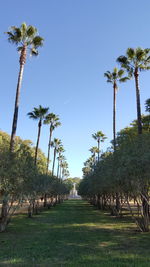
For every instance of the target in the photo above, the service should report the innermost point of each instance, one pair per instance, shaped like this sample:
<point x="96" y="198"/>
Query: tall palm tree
<point x="62" y="159"/>
<point x="38" y="114"/>
<point x="115" y="77"/>
<point x="64" y="168"/>
<point x="60" y="150"/>
<point x="55" y="144"/>
<point x="53" y="120"/>
<point x="99" y="137"/>
<point x="24" y="38"/>
<point x="133" y="62"/>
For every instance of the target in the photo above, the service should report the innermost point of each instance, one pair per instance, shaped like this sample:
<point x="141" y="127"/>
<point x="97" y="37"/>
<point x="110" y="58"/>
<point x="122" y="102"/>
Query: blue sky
<point x="83" y="38"/>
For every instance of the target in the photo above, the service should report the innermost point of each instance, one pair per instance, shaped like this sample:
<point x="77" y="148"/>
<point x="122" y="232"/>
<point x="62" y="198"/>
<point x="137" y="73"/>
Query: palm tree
<point x="62" y="158"/>
<point x="38" y="114"/>
<point x="114" y="77"/>
<point x="89" y="163"/>
<point x="94" y="150"/>
<point x="53" y="120"/>
<point x="147" y="105"/>
<point x="99" y="137"/>
<point x="60" y="150"/>
<point x="136" y="60"/>
<point x="24" y="38"/>
<point x="55" y="144"/>
<point x="64" y="168"/>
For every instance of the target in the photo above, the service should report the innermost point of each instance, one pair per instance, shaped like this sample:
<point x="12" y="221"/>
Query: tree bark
<point x="49" y="147"/>
<point x="38" y="139"/>
<point x="139" y="120"/>
<point x="146" y="209"/>
<point x="54" y="161"/>
<point x="98" y="148"/>
<point x="114" y="114"/>
<point x="16" y="109"/>
<point x="4" y="216"/>
<point x="58" y="168"/>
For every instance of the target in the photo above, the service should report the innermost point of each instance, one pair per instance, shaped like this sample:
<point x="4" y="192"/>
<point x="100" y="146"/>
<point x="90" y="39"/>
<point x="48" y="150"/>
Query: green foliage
<point x="125" y="172"/>
<point x="38" y="113"/>
<point x="137" y="58"/>
<point x="71" y="181"/>
<point x="20" y="179"/>
<point x="25" y="36"/>
<point x="74" y="234"/>
<point x="147" y="105"/>
<point x="115" y="75"/>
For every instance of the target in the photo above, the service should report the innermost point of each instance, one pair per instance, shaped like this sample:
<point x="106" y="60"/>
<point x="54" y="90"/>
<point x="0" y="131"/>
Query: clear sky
<point x="83" y="38"/>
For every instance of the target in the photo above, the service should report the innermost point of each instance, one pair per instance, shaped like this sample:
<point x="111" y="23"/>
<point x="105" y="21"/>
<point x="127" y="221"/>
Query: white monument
<point x="73" y="192"/>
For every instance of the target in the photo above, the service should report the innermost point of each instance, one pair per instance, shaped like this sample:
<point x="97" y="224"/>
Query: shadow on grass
<point x="73" y="234"/>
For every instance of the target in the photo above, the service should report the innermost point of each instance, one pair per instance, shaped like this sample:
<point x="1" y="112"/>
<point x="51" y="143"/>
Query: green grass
<point x="74" y="234"/>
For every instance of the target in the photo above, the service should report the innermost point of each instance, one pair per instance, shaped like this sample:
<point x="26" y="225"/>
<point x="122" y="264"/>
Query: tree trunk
<point x="30" y="210"/>
<point x="146" y="210"/>
<point x="15" y="117"/>
<point x="54" y="161"/>
<point x="139" y="120"/>
<point x="49" y="147"/>
<point x="4" y="216"/>
<point x="98" y="148"/>
<point x="58" y="169"/>
<point x="45" y="201"/>
<point x="114" y="114"/>
<point x="117" y="203"/>
<point x="38" y="139"/>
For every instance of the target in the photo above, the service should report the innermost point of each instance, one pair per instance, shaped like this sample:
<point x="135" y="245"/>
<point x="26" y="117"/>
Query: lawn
<point x="74" y="234"/>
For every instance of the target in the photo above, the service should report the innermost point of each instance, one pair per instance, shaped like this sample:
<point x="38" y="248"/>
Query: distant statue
<point x="74" y="190"/>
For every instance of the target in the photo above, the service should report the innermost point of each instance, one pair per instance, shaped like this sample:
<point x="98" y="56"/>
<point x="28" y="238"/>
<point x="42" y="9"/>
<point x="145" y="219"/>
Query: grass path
<point x="73" y="234"/>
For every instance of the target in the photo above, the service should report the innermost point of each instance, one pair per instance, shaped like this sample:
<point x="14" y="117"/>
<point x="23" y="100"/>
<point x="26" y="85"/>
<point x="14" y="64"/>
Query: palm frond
<point x="19" y="48"/>
<point x="130" y="72"/>
<point x="147" y="105"/>
<point x="115" y="70"/>
<point x="120" y="72"/>
<point x="122" y="60"/>
<point x="34" y="52"/>
<point x="38" y="113"/>
<point x="31" y="31"/>
<point x="37" y="41"/>
<point x="32" y="115"/>
<point x="140" y="54"/>
<point x="108" y="75"/>
<point x="147" y="51"/>
<point x="124" y="79"/>
<point x="130" y="53"/>
<point x="23" y="30"/>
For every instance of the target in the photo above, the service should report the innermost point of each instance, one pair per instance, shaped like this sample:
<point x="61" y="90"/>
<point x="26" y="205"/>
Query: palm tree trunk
<point x="98" y="148"/>
<point x="136" y="76"/>
<point x="54" y="161"/>
<point x="38" y="139"/>
<point x="114" y="136"/>
<point x="15" y="117"/>
<point x="63" y="173"/>
<point x="94" y="156"/>
<point x="58" y="169"/>
<point x="114" y="114"/>
<point x="49" y="147"/>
